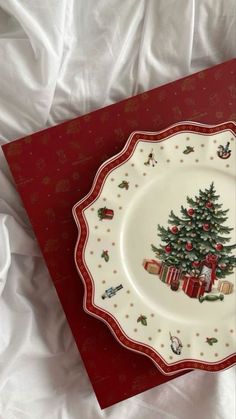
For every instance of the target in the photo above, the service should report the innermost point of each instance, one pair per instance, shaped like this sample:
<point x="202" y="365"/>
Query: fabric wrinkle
<point x="60" y="59"/>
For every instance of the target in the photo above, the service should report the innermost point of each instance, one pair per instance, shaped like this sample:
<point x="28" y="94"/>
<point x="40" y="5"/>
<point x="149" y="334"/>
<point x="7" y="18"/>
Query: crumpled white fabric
<point x="60" y="59"/>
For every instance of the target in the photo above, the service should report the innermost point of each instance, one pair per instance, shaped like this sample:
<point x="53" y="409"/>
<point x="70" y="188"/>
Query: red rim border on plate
<point x="78" y="209"/>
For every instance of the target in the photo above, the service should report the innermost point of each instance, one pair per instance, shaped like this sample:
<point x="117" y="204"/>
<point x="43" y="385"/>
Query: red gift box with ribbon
<point x="193" y="286"/>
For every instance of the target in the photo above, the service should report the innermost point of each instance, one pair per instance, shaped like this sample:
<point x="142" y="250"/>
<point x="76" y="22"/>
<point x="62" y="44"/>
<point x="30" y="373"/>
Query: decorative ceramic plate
<point x="156" y="246"/>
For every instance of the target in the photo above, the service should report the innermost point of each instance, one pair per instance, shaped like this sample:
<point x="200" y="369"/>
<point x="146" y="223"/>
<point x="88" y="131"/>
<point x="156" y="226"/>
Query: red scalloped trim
<point x="78" y="209"/>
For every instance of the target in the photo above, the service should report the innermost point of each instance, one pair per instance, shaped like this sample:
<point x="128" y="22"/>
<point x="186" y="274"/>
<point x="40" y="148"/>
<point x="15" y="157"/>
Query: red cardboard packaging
<point x="54" y="168"/>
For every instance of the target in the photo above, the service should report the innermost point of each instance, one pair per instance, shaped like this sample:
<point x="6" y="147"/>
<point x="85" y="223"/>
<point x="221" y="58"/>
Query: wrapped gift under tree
<point x="208" y="272"/>
<point x="226" y="287"/>
<point x="152" y="266"/>
<point x="169" y="274"/>
<point x="193" y="286"/>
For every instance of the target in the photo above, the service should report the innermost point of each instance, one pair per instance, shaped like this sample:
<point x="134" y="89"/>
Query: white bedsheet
<point x="58" y="59"/>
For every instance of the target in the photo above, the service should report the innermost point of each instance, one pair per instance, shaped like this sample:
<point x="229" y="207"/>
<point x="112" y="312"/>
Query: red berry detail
<point x="168" y="248"/>
<point x="190" y="212"/>
<point x="206" y="227"/>
<point x="219" y="247"/>
<point x="174" y="229"/>
<point x="189" y="246"/>
<point x="209" y="204"/>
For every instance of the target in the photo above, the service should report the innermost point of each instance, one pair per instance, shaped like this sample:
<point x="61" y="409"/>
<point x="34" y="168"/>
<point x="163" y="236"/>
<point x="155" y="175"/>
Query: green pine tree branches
<point x="198" y="231"/>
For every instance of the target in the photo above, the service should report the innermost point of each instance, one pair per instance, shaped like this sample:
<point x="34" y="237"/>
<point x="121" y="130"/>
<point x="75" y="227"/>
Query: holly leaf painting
<point x="210" y="341"/>
<point x="124" y="185"/>
<point x="105" y="255"/>
<point x="142" y="319"/>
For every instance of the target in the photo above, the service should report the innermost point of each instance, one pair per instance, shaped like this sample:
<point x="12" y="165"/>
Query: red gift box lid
<point x="54" y="168"/>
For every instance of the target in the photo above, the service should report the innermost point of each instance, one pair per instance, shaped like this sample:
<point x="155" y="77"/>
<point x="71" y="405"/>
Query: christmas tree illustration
<point x="198" y="232"/>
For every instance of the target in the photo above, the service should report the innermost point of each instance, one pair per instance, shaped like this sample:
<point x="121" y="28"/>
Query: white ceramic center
<point x="151" y="207"/>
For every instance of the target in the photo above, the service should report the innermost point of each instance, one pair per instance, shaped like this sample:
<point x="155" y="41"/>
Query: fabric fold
<point x="60" y="59"/>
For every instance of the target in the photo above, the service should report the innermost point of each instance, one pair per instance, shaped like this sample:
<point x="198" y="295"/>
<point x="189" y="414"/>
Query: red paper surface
<point x="54" y="168"/>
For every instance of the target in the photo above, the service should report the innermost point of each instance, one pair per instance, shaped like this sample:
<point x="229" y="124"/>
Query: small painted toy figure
<point x="105" y="213"/>
<point x="110" y="292"/>
<point x="223" y="151"/>
<point x="176" y="345"/>
<point x="174" y="285"/>
<point x="151" y="159"/>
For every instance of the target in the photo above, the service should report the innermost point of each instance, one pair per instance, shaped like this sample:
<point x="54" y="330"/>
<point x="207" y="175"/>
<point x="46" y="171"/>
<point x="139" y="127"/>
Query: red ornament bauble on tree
<point x="219" y="247"/>
<point x="190" y="212"/>
<point x="174" y="230"/>
<point x="209" y="204"/>
<point x="206" y="227"/>
<point x="195" y="264"/>
<point x="189" y="246"/>
<point x="168" y="248"/>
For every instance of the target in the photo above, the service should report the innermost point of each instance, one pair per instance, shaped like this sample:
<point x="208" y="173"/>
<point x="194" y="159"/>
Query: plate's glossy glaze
<point x="156" y="246"/>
